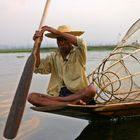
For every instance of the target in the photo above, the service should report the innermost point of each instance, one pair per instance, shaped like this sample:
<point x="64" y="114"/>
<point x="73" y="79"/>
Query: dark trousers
<point x="65" y="92"/>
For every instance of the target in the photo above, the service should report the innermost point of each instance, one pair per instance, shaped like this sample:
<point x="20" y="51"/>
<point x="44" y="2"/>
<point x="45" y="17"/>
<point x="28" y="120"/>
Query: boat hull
<point x="91" y="112"/>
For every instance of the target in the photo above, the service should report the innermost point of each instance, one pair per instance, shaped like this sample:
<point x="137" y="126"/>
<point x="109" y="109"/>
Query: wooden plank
<point x="119" y="106"/>
<point x="114" y="110"/>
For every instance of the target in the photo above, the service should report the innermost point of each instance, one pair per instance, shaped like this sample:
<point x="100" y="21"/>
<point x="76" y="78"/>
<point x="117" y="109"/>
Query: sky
<point x="104" y="21"/>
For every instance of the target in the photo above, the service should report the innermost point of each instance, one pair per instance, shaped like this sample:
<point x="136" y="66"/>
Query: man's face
<point x="64" y="45"/>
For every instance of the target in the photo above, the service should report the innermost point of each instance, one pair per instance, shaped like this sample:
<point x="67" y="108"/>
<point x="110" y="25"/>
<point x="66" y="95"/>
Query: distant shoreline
<point x="90" y="48"/>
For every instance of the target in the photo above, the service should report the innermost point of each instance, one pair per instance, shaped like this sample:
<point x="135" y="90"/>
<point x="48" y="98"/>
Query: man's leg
<point x="38" y="99"/>
<point x="84" y="95"/>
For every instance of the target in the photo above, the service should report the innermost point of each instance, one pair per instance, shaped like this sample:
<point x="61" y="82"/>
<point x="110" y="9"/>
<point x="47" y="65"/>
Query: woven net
<point x="118" y="76"/>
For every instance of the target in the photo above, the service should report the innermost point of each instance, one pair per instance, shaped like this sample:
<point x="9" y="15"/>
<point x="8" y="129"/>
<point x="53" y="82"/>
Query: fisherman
<point x="68" y="82"/>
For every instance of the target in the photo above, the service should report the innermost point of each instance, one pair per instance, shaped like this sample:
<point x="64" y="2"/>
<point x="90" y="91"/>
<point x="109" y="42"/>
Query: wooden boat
<point x="115" y="78"/>
<point x="92" y="112"/>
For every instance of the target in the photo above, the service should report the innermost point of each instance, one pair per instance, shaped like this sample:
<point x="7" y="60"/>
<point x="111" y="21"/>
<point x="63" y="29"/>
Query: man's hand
<point x="38" y="34"/>
<point x="50" y="29"/>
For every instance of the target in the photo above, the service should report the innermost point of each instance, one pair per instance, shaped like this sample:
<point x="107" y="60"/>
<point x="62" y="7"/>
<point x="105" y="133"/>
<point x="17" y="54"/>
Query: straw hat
<point x="65" y="29"/>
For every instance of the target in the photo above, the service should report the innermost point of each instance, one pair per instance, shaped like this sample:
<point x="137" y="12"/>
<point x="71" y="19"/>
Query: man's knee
<point x="32" y="97"/>
<point x="91" y="90"/>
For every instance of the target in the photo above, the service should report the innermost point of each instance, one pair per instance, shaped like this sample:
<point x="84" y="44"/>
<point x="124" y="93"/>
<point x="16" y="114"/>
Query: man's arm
<point x="39" y="35"/>
<point x="71" y="38"/>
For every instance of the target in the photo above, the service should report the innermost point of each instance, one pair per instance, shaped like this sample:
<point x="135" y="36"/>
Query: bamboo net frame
<point x="118" y="76"/>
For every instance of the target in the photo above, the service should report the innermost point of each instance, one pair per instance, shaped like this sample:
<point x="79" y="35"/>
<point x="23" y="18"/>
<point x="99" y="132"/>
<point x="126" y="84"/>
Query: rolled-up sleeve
<point x="81" y="43"/>
<point x="44" y="67"/>
<point x="82" y="46"/>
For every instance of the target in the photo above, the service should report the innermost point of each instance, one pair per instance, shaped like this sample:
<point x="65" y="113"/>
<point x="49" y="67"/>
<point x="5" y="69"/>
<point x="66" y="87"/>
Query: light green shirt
<point x="70" y="73"/>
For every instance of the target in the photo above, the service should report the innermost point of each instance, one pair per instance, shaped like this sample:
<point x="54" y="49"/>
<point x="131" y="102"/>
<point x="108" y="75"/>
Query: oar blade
<point x="18" y="105"/>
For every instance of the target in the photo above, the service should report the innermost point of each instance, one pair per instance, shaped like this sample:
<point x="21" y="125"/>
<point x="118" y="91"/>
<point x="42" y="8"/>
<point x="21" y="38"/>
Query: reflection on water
<point x="44" y="126"/>
<point x="120" y="130"/>
<point x="35" y="125"/>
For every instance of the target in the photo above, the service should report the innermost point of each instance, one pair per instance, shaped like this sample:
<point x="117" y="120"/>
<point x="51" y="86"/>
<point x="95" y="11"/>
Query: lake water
<point x="45" y="126"/>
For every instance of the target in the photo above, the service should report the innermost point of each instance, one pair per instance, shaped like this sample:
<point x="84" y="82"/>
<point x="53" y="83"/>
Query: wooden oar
<point x="18" y="105"/>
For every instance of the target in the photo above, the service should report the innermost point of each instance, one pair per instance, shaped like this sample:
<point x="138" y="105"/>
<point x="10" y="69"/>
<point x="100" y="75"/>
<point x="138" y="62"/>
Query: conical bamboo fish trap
<point x="118" y="76"/>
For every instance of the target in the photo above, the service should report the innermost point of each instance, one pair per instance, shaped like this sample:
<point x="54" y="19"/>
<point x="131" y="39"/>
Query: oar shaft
<point x="45" y="12"/>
